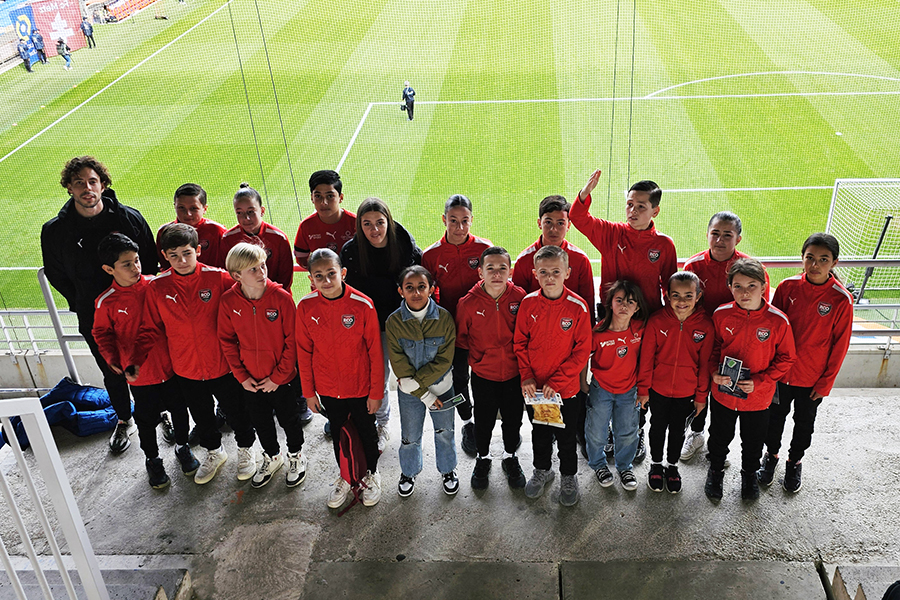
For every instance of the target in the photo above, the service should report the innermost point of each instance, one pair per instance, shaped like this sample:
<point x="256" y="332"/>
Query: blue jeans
<point x="383" y="414"/>
<point x="412" y="422"/>
<point x="68" y="60"/>
<point x="601" y="407"/>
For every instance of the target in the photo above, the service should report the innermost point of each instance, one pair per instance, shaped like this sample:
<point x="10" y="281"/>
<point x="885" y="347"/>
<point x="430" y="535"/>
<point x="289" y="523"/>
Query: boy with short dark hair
<point x="330" y="226"/>
<point x="190" y="208"/>
<point x="182" y="304"/>
<point x="633" y="250"/>
<point x="553" y="344"/>
<point x="117" y="318"/>
<point x="256" y="330"/>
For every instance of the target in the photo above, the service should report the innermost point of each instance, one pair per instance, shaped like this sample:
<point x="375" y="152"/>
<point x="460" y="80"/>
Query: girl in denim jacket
<point x="421" y="337"/>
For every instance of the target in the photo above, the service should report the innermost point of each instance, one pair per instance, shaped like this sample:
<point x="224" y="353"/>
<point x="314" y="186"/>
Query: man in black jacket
<point x="69" y="248"/>
<point x="409" y="97"/>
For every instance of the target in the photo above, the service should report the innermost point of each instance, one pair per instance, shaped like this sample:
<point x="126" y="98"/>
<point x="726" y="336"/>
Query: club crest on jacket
<point x="762" y="334"/>
<point x="206" y="295"/>
<point x="348" y="320"/>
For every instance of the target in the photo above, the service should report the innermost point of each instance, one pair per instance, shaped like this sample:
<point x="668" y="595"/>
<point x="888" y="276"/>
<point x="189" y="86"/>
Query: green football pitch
<point x="754" y="106"/>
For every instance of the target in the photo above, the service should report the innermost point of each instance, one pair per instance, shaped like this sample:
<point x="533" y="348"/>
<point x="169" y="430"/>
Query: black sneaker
<point x="766" y="472"/>
<point x="713" y="487"/>
<point x="609" y="449"/>
<point x="406" y="486"/>
<point x="480" y="474"/>
<point x="168" y="430"/>
<point x="604" y="477"/>
<point x="641" y="449"/>
<point x="468" y="439"/>
<point x="792" y="482"/>
<point x="451" y="483"/>
<point x="157" y="473"/>
<point x="673" y="479"/>
<point x="514" y="475"/>
<point x="656" y="478"/>
<point x="327" y="430"/>
<point x="189" y="464"/>
<point x="749" y="486"/>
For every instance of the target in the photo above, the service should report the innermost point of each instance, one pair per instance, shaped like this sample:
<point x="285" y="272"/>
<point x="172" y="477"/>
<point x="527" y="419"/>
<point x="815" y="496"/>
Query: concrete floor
<point x="278" y="543"/>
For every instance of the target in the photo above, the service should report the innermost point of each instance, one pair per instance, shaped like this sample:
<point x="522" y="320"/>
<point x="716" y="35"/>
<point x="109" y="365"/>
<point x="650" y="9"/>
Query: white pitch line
<point x="756" y="74"/>
<point x="752" y="189"/>
<point x="355" y="134"/>
<point x="110" y="84"/>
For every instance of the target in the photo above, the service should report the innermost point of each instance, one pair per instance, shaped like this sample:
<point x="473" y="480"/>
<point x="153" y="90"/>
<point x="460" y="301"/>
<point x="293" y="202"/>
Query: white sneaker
<point x="296" y="472"/>
<point x="339" y="492"/>
<point x="692" y="444"/>
<point x="372" y="490"/>
<point x="210" y="465"/>
<point x="246" y="464"/>
<point x="383" y="437"/>
<point x="269" y="467"/>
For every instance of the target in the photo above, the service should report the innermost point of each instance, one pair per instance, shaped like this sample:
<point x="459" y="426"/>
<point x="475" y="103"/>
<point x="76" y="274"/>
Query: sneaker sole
<point x="190" y="473"/>
<point x="672" y="491"/>
<point x="331" y="504"/>
<point x="370" y="503"/>
<point x="161" y="486"/>
<point x="653" y="488"/>
<point x="765" y="483"/>
<point x="115" y="450"/>
<point x="567" y="504"/>
<point x="792" y="491"/>
<point x="630" y="487"/>
<point x="606" y="484"/>
<point x="405" y="494"/>
<point x="256" y="485"/>
<point x="300" y="480"/>
<point x="212" y="475"/>
<point x="451" y="492"/>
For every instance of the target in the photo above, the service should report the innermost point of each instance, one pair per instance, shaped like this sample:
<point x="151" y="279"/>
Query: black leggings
<point x="339" y="409"/>
<point x="668" y="413"/>
<point x="805" y="411"/>
<point x="149" y="401"/>
<point x="722" y="424"/>
<point x="491" y="396"/>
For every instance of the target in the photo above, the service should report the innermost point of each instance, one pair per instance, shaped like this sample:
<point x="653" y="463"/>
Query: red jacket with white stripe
<point x="675" y="355"/>
<point x="581" y="280"/>
<point x="279" y="255"/>
<point x="553" y="341"/>
<point x="339" y="346"/>
<point x="117" y="318"/>
<point x="455" y="268"/>
<point x="486" y="327"/>
<point x="714" y="277"/>
<point x="821" y="318"/>
<point x="210" y="239"/>
<point x="257" y="336"/>
<point x="646" y="257"/>
<point x="614" y="363"/>
<point x="184" y="310"/>
<point x="763" y="340"/>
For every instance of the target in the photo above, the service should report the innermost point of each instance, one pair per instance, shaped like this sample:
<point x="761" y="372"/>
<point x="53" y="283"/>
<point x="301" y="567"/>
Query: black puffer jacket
<point x="73" y="268"/>
<point x="380" y="283"/>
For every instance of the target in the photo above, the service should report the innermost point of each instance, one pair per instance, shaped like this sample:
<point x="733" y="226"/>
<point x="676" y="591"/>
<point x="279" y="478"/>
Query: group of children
<point x="661" y="340"/>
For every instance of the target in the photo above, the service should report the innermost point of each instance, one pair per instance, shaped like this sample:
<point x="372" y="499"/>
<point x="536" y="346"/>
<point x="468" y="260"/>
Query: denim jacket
<point x="423" y="351"/>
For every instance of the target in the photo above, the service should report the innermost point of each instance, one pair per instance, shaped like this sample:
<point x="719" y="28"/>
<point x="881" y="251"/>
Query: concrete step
<point x="121" y="584"/>
<point x="861" y="582"/>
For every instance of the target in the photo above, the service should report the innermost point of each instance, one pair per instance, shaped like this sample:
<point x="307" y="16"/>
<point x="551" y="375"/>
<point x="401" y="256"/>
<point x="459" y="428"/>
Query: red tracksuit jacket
<point x="581" y="281"/>
<point x="553" y="341"/>
<point x="763" y="340"/>
<point x="675" y="355"/>
<point x="646" y="257"/>
<point x="117" y="318"/>
<point x="184" y="309"/>
<point x="279" y="257"/>
<point x="257" y="336"/>
<point x="455" y="268"/>
<point x="486" y="327"/>
<point x="339" y="346"/>
<point x="313" y="233"/>
<point x="714" y="277"/>
<point x="210" y="234"/>
<point x="614" y="363"/>
<point x="821" y="318"/>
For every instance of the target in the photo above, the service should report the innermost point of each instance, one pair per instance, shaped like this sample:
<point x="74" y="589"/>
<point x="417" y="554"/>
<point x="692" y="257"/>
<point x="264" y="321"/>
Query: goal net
<point x="859" y="210"/>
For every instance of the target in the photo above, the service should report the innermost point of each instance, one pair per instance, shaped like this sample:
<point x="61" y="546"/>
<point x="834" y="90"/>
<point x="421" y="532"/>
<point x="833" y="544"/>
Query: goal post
<point x="865" y="218"/>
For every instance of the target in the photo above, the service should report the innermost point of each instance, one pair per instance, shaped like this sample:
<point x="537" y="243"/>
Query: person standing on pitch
<point x="69" y="249"/>
<point x="38" y="41"/>
<point x="88" y="30"/>
<point x="409" y="97"/>
<point x="22" y="49"/>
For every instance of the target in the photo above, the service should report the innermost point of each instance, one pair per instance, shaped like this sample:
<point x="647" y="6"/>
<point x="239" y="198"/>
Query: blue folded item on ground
<point x="82" y="409"/>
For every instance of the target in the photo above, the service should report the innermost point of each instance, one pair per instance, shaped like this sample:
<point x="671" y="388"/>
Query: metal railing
<point x="61" y="498"/>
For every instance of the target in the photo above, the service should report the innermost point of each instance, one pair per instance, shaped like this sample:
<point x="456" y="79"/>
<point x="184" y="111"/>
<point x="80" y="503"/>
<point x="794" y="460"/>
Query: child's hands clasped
<point x="252" y="385"/>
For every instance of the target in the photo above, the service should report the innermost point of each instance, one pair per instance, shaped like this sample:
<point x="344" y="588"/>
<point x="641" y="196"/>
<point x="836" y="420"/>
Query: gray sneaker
<point x="568" y="490"/>
<point x="535" y="486"/>
<point x="119" y="442"/>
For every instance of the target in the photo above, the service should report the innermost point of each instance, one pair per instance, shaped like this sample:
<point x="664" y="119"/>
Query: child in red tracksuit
<point x="553" y="344"/>
<point x="758" y="334"/>
<point x="190" y="208"/>
<point x="252" y="229"/>
<point x="182" y="306"/>
<point x="454" y="261"/>
<point x="821" y="313"/>
<point x="723" y="233"/>
<point x="485" y="326"/>
<point x="330" y="226"/>
<point x="117" y="317"/>
<point x="338" y="325"/>
<point x="256" y="330"/>
<point x="674" y="374"/>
